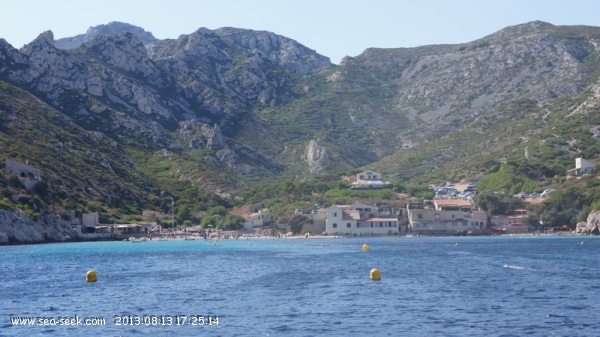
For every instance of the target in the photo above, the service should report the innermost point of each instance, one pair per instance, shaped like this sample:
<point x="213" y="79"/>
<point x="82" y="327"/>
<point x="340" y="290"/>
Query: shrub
<point x="15" y="182"/>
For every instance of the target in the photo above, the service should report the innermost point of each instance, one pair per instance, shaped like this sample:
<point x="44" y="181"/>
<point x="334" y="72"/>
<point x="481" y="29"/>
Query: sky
<point x="334" y="28"/>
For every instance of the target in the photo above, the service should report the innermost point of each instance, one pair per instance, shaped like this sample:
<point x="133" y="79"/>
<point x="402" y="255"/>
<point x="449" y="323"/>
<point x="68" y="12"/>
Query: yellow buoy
<point x="375" y="274"/>
<point x="91" y="276"/>
<point x="365" y="247"/>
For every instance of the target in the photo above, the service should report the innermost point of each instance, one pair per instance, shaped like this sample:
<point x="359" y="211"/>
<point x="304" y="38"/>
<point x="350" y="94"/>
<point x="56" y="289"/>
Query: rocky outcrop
<point x="10" y="57"/>
<point x="315" y="156"/>
<point x="593" y="224"/>
<point x="112" y="28"/>
<point x="284" y="51"/>
<point x="18" y="228"/>
<point x="241" y="158"/>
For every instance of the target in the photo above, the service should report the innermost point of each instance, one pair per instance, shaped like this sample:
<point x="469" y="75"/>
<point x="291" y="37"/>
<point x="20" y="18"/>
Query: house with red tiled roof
<point x="254" y="215"/>
<point x="507" y="219"/>
<point x="447" y="217"/>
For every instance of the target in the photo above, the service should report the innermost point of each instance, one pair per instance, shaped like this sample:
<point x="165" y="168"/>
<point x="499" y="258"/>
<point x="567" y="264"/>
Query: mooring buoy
<point x="375" y="274"/>
<point x="91" y="276"/>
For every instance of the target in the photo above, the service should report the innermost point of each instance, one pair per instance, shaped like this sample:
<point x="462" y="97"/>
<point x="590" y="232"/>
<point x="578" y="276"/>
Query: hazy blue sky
<point x="331" y="27"/>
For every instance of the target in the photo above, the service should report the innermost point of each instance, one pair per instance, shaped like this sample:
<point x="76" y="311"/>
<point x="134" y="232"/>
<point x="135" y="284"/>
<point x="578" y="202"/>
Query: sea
<point x="430" y="286"/>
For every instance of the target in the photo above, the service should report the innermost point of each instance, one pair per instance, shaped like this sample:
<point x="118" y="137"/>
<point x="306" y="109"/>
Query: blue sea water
<point x="484" y="286"/>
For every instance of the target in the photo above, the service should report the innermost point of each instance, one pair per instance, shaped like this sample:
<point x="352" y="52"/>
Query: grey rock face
<point x="315" y="156"/>
<point x="241" y="158"/>
<point x="284" y="51"/>
<point x="112" y="28"/>
<point x="593" y="224"/>
<point x="17" y="227"/>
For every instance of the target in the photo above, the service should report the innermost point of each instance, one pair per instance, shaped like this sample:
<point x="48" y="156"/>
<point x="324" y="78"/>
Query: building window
<point x="420" y="216"/>
<point x="334" y="225"/>
<point x="348" y="225"/>
<point x="454" y="224"/>
<point x="335" y="214"/>
<point x="453" y="216"/>
<point x="380" y="224"/>
<point x="371" y="225"/>
<point x="464" y="223"/>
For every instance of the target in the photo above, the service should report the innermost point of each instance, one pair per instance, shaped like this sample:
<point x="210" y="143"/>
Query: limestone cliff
<point x="239" y="157"/>
<point x="17" y="228"/>
<point x="593" y="224"/>
<point x="112" y="28"/>
<point x="315" y="156"/>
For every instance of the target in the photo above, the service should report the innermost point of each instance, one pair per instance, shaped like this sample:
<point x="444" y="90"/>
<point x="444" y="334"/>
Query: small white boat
<point x="134" y="240"/>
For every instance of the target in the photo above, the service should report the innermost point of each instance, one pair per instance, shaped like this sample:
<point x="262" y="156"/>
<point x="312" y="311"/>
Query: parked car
<point x="534" y="195"/>
<point x="546" y="192"/>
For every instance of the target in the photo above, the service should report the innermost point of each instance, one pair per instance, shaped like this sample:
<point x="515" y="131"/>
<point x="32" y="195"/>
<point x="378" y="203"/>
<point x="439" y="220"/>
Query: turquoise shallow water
<point x="485" y="286"/>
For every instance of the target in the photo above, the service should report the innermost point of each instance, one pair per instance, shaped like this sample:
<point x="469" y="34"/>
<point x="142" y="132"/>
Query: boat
<point x="134" y="240"/>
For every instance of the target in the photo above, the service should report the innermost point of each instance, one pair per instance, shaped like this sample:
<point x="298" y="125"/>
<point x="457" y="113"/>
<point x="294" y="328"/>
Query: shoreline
<point x="312" y="237"/>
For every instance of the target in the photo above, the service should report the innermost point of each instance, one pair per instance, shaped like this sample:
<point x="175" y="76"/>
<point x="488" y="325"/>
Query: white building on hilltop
<point x="359" y="219"/>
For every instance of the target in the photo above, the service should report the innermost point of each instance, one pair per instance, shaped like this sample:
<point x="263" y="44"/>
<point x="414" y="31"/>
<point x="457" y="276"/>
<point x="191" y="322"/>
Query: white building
<point x="258" y="219"/>
<point x="369" y="179"/>
<point x="359" y="219"/>
<point x="582" y="167"/>
<point x="253" y="215"/>
<point x="28" y="175"/>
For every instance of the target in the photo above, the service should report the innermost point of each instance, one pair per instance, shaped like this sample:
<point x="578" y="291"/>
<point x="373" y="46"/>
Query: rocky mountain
<point x="112" y="28"/>
<point x="117" y="117"/>
<point x="128" y="119"/>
